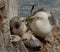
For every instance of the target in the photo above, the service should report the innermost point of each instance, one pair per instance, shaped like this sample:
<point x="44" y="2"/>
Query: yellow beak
<point x="30" y="18"/>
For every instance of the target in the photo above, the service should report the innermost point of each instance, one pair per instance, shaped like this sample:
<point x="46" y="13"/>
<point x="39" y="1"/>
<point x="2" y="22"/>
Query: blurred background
<point x="24" y="6"/>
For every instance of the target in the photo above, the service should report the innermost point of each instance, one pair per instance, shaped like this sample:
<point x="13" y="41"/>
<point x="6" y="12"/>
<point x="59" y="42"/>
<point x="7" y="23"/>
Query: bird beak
<point x="30" y="18"/>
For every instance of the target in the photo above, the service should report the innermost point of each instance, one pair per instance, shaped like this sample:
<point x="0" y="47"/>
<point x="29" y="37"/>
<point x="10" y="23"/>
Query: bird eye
<point x="41" y="18"/>
<point x="37" y="17"/>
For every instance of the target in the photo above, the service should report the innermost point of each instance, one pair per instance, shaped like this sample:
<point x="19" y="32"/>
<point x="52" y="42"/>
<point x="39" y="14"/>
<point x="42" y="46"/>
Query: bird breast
<point x="39" y="26"/>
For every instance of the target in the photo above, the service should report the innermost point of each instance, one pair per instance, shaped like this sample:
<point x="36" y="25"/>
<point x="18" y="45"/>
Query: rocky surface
<point x="55" y="47"/>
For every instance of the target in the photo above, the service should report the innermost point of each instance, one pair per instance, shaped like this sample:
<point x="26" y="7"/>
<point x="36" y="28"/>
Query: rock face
<point x="5" y="44"/>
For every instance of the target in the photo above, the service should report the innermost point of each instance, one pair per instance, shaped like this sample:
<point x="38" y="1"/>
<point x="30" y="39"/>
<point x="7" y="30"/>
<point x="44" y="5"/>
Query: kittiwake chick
<point x="17" y="25"/>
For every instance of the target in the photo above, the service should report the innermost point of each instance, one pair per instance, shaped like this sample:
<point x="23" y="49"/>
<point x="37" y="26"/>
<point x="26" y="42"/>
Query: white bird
<point x="40" y="25"/>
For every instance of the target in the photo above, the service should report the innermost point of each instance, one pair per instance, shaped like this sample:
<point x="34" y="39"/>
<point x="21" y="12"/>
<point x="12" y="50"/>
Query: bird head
<point x="42" y="15"/>
<point x="19" y="22"/>
<point x="17" y="25"/>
